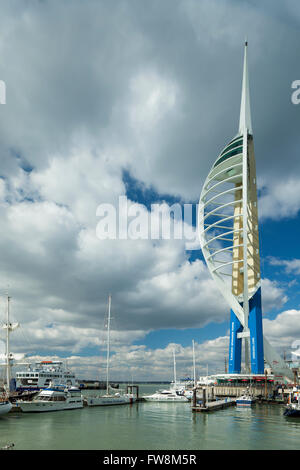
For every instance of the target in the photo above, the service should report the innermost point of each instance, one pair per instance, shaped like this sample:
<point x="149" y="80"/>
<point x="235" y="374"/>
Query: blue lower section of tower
<point x="256" y="338"/>
<point x="235" y="345"/>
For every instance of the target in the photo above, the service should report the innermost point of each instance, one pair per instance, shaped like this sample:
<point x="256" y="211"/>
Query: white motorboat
<point x="292" y="409"/>
<point x="174" y="394"/>
<point x="245" y="400"/>
<point x="188" y="394"/>
<point x="55" y="398"/>
<point x="166" y="396"/>
<point x="181" y="388"/>
<point x="185" y="386"/>
<point x="5" y="406"/>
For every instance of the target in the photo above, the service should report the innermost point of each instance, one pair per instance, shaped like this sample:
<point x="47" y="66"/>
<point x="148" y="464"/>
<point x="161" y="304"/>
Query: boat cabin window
<point x="58" y="398"/>
<point x="42" y="398"/>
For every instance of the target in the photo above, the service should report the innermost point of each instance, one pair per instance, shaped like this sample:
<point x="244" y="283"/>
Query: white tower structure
<point x="229" y="238"/>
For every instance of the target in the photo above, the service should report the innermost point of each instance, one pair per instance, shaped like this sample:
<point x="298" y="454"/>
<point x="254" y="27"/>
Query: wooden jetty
<point x="214" y="405"/>
<point x="206" y="406"/>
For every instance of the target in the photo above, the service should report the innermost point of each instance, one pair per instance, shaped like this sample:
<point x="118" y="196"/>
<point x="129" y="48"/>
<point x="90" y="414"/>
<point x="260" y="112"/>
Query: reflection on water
<point x="149" y="425"/>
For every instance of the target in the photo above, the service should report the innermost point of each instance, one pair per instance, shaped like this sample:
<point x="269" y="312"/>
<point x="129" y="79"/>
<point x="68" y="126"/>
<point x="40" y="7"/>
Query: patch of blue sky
<point x="22" y="162"/>
<point x="161" y="338"/>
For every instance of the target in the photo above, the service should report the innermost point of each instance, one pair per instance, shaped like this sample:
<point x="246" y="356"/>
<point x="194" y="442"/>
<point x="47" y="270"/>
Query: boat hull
<point x="179" y="399"/>
<point x="40" y="407"/>
<point x="244" y="403"/>
<point x="245" y="400"/>
<point x="292" y="412"/>
<point x="109" y="400"/>
<point x="5" y="407"/>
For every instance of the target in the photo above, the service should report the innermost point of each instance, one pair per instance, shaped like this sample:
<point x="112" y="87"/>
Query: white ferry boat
<point x="39" y="375"/>
<point x="54" y="398"/>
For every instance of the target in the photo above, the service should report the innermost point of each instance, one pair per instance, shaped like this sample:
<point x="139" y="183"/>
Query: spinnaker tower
<point x="229" y="237"/>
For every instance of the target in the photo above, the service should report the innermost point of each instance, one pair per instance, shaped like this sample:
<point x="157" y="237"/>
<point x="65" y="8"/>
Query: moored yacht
<point x="118" y="398"/>
<point x="181" y="388"/>
<point x="166" y="396"/>
<point x="176" y="393"/>
<point x="292" y="409"/>
<point x="54" y="398"/>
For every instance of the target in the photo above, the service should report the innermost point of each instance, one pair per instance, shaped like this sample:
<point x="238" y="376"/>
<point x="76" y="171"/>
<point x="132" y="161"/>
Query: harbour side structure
<point x="229" y="238"/>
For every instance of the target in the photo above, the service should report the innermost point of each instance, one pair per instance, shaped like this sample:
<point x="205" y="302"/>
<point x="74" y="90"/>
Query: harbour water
<point x="152" y="426"/>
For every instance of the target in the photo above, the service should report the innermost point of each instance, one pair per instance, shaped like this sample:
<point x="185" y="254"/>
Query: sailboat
<point x="5" y="404"/>
<point x="174" y="394"/>
<point x="188" y="391"/>
<point x="109" y="398"/>
<point x="185" y="387"/>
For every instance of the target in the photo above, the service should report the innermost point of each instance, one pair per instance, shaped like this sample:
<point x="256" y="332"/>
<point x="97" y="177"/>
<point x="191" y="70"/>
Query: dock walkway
<point x="214" y="405"/>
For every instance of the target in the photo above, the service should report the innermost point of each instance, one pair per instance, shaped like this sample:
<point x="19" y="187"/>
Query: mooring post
<point x="194" y="397"/>
<point x="295" y="371"/>
<point x="266" y="386"/>
<point x="204" y="397"/>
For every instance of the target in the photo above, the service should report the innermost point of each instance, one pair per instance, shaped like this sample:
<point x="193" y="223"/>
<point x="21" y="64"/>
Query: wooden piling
<point x="194" y="399"/>
<point x="204" y="397"/>
<point x="130" y="388"/>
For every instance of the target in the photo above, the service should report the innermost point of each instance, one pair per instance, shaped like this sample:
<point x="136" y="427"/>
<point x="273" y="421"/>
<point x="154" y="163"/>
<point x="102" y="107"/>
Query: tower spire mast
<point x="245" y="128"/>
<point x="245" y="111"/>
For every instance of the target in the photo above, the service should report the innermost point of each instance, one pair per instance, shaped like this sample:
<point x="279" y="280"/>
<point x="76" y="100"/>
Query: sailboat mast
<point x="194" y="364"/>
<point x="7" y="348"/>
<point x="245" y="128"/>
<point x="175" y="379"/>
<point x="108" y="344"/>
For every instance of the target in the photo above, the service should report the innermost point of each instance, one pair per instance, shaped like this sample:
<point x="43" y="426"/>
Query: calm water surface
<point x="152" y="426"/>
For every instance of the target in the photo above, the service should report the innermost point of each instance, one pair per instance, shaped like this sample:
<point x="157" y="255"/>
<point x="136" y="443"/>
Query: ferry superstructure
<point x="39" y="375"/>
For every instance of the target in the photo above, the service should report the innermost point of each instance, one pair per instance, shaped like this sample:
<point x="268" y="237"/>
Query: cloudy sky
<point x="137" y="98"/>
